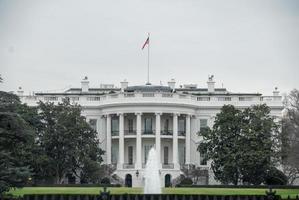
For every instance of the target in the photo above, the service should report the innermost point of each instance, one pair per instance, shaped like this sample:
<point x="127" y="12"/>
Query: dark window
<point x="130" y="125"/>
<point x="182" y="126"/>
<point x="165" y="155"/>
<point x="148" y="125"/>
<point x="203" y="124"/>
<point x="203" y="158"/>
<point x="114" y="126"/>
<point x="130" y="155"/>
<point x="166" y="125"/>
<point x="93" y="124"/>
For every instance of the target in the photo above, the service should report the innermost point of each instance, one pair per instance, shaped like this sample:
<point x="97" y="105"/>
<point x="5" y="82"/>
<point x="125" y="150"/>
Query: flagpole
<point x="148" y="57"/>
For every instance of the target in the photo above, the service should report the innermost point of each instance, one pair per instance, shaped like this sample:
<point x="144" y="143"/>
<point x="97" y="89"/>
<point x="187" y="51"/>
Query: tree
<point x="67" y="141"/>
<point x="241" y="144"/>
<point x="290" y="135"/>
<point x="260" y="149"/>
<point x="16" y="143"/>
<point x="222" y="145"/>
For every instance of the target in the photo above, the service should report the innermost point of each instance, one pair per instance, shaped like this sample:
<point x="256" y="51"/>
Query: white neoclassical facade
<point x="132" y="119"/>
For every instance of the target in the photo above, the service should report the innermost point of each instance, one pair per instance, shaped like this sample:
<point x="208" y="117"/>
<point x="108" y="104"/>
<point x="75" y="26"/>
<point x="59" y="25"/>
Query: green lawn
<point x="121" y="190"/>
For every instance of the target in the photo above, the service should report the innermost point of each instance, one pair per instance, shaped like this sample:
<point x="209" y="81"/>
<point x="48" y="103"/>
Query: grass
<point x="121" y="190"/>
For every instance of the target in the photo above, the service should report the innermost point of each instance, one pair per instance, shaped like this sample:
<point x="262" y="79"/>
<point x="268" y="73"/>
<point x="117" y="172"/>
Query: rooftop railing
<point x="158" y="96"/>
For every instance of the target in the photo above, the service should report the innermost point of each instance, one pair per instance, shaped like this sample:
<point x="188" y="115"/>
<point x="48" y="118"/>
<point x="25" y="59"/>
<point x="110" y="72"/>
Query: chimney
<point x="124" y="84"/>
<point x="85" y="84"/>
<point x="211" y="84"/>
<point x="171" y="84"/>
<point x="20" y="92"/>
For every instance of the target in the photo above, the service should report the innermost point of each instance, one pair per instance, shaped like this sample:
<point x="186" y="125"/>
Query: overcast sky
<point x="249" y="46"/>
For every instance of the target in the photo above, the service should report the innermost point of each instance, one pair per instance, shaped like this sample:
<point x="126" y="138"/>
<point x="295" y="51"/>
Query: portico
<point x="135" y="133"/>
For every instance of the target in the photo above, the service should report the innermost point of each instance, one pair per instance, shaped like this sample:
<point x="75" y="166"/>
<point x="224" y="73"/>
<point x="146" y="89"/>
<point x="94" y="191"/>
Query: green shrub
<point x="186" y="181"/>
<point x="105" y="180"/>
<point x="275" y="177"/>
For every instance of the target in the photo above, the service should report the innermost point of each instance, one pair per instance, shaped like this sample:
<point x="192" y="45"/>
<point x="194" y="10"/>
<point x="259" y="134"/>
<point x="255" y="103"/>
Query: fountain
<point x="152" y="183"/>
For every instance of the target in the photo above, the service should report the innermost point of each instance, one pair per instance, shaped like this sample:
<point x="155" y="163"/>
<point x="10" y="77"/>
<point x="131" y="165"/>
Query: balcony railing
<point x="166" y="132"/>
<point x="98" y="99"/>
<point x="114" y="133"/>
<point x="148" y="132"/>
<point x="128" y="166"/>
<point x="182" y="133"/>
<point x="167" y="165"/>
<point x="130" y="132"/>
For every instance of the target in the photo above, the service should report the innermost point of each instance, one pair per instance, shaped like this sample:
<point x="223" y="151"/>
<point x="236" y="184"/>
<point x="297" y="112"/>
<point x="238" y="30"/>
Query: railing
<point x="128" y="166"/>
<point x="148" y="132"/>
<point x="167" y="165"/>
<point x="148" y="94"/>
<point x="166" y="132"/>
<point x="174" y="96"/>
<point x="181" y="133"/>
<point x="129" y="95"/>
<point x="167" y="95"/>
<point x="130" y="132"/>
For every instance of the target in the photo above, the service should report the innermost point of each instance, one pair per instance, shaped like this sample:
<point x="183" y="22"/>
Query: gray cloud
<point x="250" y="46"/>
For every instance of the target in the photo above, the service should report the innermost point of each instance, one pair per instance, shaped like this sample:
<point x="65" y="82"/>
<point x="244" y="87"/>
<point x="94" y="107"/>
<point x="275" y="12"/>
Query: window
<point x="130" y="155"/>
<point x="182" y="126"/>
<point x="114" y="154"/>
<point x="166" y="125"/>
<point x="165" y="155"/>
<point x="114" y="126"/>
<point x="148" y="126"/>
<point x="147" y="148"/>
<point x="93" y="124"/>
<point x="130" y="125"/>
<point x="203" y="124"/>
<point x="203" y="158"/>
<point x="182" y="154"/>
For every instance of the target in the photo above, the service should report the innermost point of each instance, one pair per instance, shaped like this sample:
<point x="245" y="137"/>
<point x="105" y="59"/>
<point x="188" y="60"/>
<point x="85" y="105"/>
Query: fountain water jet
<point x="152" y="184"/>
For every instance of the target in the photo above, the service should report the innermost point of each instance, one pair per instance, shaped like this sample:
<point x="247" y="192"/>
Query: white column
<point x="121" y="148"/>
<point x="175" y="141"/>
<point x="188" y="139"/>
<point x="138" y="164"/>
<point x="158" y="137"/>
<point x="108" y="139"/>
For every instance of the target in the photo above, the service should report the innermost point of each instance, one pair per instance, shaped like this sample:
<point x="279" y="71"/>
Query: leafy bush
<point x="105" y="180"/>
<point x="275" y="177"/>
<point x="186" y="181"/>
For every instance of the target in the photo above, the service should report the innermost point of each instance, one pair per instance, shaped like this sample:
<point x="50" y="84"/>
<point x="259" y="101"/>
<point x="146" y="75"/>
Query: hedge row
<point x="241" y="186"/>
<point x="74" y="185"/>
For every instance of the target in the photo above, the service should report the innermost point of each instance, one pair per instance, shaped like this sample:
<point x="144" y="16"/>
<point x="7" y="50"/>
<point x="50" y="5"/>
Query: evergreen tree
<point x="67" y="140"/>
<point x="16" y="143"/>
<point x="241" y="144"/>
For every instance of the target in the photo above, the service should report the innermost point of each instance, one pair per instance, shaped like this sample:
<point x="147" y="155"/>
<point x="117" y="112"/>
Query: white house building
<point x="132" y="119"/>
